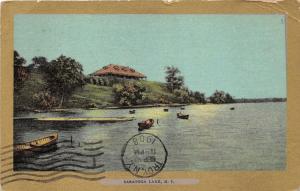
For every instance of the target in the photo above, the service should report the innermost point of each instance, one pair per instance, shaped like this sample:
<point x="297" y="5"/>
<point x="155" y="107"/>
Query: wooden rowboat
<point x="132" y="111"/>
<point x="145" y="124"/>
<point x="182" y="116"/>
<point x="166" y="110"/>
<point x="38" y="145"/>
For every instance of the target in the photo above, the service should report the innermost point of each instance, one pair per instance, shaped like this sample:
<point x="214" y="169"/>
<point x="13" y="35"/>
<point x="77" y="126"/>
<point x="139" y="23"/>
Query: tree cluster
<point x="62" y="76"/>
<point x="175" y="84"/>
<point x="219" y="97"/>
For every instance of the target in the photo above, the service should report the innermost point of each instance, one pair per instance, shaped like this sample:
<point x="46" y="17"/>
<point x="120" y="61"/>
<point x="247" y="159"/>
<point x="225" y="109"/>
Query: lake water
<point x="251" y="137"/>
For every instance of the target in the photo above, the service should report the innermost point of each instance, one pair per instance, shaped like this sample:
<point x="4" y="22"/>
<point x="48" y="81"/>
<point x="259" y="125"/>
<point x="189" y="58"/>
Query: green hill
<point x="156" y="91"/>
<point x="100" y="96"/>
<point x="89" y="95"/>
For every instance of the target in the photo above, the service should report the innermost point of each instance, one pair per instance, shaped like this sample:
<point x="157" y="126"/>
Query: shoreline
<point x="124" y="107"/>
<point x="96" y="108"/>
<point x="145" y="106"/>
<point x="77" y="119"/>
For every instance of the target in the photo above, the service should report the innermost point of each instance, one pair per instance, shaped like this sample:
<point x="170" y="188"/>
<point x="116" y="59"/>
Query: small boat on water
<point x="132" y="111"/>
<point x="182" y="108"/>
<point x="145" y="124"/>
<point x="182" y="116"/>
<point x="232" y="108"/>
<point x="166" y="110"/>
<point x="39" y="145"/>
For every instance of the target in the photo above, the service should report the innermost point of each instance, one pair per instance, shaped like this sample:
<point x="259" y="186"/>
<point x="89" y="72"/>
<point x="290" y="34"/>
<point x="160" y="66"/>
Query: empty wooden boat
<point x="145" y="124"/>
<point x="182" y="116"/>
<point x="38" y="145"/>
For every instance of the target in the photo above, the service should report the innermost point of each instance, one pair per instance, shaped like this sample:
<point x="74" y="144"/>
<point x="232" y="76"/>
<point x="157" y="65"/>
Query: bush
<point x="44" y="100"/>
<point x="107" y="82"/>
<point x="182" y="96"/>
<point x="199" y="97"/>
<point x="100" y="82"/>
<point x="91" y="105"/>
<point x="129" y="93"/>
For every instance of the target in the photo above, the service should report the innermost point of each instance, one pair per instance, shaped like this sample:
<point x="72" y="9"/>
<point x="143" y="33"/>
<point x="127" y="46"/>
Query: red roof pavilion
<point x="120" y="71"/>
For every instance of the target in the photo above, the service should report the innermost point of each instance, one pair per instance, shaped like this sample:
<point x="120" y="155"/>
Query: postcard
<point x="150" y="95"/>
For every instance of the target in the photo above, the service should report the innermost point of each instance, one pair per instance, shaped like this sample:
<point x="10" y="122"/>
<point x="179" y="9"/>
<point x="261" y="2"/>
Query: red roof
<point x="119" y="70"/>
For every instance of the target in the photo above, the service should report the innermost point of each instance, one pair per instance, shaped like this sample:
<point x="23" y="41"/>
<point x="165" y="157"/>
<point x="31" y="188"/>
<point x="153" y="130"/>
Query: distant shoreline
<point x="259" y="100"/>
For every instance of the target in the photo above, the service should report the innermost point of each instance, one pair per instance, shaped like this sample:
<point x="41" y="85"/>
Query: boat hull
<point x="180" y="116"/>
<point x="39" y="145"/>
<point x="35" y="151"/>
<point x="145" y="124"/>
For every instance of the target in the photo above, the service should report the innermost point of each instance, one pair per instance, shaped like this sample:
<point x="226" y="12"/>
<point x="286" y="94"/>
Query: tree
<point x="63" y="76"/>
<point x="229" y="98"/>
<point x="173" y="78"/>
<point x="40" y="63"/>
<point x="200" y="97"/>
<point x="44" y="100"/>
<point x="218" y="97"/>
<point x="182" y="95"/>
<point x="20" y="71"/>
<point x="87" y="79"/>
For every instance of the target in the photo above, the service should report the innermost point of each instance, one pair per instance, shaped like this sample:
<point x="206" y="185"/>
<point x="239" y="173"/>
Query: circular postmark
<point x="144" y="155"/>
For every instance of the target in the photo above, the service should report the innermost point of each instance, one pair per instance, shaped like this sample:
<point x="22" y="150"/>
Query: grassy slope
<point x="103" y="95"/>
<point x="91" y="94"/>
<point x="86" y="96"/>
<point x="156" y="90"/>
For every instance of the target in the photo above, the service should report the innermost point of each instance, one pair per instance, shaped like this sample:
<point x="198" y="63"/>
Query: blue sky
<point x="240" y="54"/>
